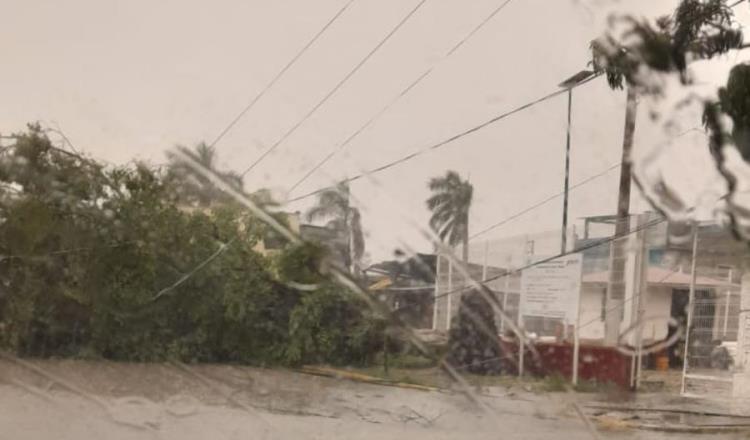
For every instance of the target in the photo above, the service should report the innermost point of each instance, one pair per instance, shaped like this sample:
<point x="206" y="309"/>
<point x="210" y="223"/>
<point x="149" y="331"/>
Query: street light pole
<point x="569" y="84"/>
<point x="564" y="236"/>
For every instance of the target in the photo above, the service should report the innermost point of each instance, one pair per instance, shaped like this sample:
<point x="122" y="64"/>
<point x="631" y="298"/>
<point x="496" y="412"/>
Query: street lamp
<point x="569" y="84"/>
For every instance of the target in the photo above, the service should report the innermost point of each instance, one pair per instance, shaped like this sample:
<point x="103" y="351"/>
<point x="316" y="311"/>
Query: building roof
<point x="420" y="268"/>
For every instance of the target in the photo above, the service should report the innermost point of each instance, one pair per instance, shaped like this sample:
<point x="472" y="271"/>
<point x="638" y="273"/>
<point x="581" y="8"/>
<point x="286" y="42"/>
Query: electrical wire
<point x="398" y="97"/>
<point x="543" y="202"/>
<point x="281" y="73"/>
<point x="335" y="89"/>
<point x="446" y="141"/>
<point x="560" y="255"/>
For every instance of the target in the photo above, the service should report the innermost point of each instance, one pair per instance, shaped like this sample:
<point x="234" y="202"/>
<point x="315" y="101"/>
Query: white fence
<point x="654" y="305"/>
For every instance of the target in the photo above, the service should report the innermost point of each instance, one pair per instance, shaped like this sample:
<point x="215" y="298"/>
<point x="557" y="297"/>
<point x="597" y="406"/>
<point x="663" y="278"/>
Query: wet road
<point x="70" y="400"/>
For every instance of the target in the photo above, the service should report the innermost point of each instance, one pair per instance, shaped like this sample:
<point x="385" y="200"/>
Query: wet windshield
<point x="366" y="219"/>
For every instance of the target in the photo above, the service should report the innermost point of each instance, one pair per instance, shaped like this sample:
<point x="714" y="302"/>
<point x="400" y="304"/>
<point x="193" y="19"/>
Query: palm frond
<point x="449" y="204"/>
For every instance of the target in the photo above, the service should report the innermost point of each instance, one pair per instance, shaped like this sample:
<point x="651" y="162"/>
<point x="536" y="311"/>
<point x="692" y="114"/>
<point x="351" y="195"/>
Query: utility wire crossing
<point x="335" y="89"/>
<point x="281" y="73"/>
<point x="543" y="202"/>
<point x="446" y="141"/>
<point x="398" y="97"/>
<point x="561" y="254"/>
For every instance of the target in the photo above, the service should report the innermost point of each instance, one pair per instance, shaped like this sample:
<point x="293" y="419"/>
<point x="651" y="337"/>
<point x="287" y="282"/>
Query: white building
<point x="657" y="272"/>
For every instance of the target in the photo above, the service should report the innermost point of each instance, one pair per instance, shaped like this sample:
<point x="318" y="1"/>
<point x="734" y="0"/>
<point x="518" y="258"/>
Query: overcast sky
<point x="129" y="80"/>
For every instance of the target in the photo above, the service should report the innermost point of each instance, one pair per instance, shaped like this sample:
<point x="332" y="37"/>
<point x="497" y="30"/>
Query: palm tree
<point x="333" y="204"/>
<point x="734" y="102"/>
<point x="193" y="187"/>
<point x="450" y="203"/>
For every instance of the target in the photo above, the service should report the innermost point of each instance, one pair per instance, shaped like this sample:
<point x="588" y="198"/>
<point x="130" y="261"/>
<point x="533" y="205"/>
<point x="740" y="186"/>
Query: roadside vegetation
<point x="110" y="262"/>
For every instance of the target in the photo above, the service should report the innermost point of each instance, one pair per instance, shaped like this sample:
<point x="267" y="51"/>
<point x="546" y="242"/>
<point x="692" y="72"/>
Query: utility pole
<point x="618" y="247"/>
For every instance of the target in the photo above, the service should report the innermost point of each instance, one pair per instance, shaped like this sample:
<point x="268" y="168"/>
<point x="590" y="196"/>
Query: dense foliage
<point x="644" y="52"/>
<point x="697" y="30"/>
<point x="449" y="204"/>
<point x="111" y="263"/>
<point x="473" y="346"/>
<point x="334" y="206"/>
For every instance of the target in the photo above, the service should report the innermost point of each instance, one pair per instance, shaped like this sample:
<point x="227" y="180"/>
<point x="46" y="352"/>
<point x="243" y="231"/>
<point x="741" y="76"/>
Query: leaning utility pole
<point x="618" y="247"/>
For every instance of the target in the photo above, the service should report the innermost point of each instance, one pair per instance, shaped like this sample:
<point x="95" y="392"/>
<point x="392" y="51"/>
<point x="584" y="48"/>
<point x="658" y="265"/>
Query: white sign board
<point x="552" y="289"/>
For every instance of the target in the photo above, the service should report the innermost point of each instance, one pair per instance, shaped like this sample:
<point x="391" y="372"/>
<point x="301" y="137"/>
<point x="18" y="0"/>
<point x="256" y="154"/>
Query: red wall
<point x="600" y="364"/>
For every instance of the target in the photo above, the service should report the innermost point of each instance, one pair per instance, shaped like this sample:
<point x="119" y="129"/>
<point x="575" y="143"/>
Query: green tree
<point x="697" y="30"/>
<point x="104" y="262"/>
<point x="449" y="204"/>
<point x="51" y="218"/>
<point x="734" y="101"/>
<point x="474" y="346"/>
<point x="333" y="205"/>
<point x="329" y="324"/>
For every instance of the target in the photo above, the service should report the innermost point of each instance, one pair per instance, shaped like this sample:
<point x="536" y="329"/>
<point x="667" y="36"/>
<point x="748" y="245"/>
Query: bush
<point x="473" y="343"/>
<point x="104" y="263"/>
<point x="331" y="326"/>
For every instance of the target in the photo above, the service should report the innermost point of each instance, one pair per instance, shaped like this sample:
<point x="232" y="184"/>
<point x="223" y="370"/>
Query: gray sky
<point x="129" y="80"/>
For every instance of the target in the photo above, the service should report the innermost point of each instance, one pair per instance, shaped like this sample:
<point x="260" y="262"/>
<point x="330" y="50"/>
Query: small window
<point x="724" y="272"/>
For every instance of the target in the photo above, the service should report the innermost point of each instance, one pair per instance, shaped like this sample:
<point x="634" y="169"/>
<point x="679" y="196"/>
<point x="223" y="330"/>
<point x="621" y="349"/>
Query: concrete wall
<point x="658" y="305"/>
<point x="592" y="324"/>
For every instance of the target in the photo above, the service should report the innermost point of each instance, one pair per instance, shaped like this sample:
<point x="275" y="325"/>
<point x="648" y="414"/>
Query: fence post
<point x="521" y="326"/>
<point x="727" y="300"/>
<point x="505" y="293"/>
<point x="691" y="299"/>
<point x="642" y="298"/>
<point x="435" y="300"/>
<point x="576" y="344"/>
<point x="449" y="302"/>
<point x="576" y="329"/>
<point x="521" y="347"/>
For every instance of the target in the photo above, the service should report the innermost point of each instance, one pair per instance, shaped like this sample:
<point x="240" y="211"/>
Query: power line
<point x="560" y="255"/>
<point x="335" y="88"/>
<point x="584" y="248"/>
<point x="543" y="202"/>
<point x="398" y="97"/>
<point x="581" y="183"/>
<point x="281" y="73"/>
<point x="222" y="247"/>
<point x="448" y="140"/>
<point x="736" y="3"/>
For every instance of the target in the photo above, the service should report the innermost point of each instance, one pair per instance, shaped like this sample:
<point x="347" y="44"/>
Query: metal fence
<point x="646" y="293"/>
<point x="711" y="354"/>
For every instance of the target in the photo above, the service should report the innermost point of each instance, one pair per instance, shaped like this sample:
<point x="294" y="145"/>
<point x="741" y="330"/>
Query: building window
<point x="655" y="257"/>
<point x="724" y="272"/>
